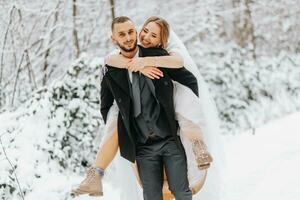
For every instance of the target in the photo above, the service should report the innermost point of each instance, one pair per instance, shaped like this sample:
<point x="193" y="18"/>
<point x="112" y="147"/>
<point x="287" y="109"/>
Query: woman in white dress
<point x="198" y="123"/>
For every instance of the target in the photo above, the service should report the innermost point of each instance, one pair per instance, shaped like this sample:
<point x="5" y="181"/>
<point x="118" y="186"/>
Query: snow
<point x="264" y="165"/>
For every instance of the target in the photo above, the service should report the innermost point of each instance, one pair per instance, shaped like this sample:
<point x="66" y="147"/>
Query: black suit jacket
<point x="115" y="86"/>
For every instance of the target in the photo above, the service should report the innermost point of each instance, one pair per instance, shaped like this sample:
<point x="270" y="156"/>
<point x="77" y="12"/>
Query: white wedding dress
<point x="196" y="117"/>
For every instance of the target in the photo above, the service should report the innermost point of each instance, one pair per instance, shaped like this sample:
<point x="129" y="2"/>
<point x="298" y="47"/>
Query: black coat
<point x="115" y="86"/>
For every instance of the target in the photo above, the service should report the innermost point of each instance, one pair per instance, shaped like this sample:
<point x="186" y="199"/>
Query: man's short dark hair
<point x="119" y="20"/>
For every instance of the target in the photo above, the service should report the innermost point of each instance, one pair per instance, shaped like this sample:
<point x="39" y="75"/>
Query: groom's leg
<point x="150" y="168"/>
<point x="175" y="163"/>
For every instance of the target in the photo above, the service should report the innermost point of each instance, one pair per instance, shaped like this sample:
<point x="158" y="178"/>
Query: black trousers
<point x="151" y="159"/>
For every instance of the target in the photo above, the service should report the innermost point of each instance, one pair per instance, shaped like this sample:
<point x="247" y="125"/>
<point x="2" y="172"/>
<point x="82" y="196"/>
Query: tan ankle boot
<point x="91" y="185"/>
<point x="203" y="157"/>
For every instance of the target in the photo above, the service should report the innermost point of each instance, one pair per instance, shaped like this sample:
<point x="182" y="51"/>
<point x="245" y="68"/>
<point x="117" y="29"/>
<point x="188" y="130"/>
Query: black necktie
<point x="136" y="93"/>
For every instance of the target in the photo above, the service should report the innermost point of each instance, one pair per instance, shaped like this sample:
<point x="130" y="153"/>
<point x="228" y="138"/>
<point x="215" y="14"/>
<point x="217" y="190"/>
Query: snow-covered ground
<point x="264" y="165"/>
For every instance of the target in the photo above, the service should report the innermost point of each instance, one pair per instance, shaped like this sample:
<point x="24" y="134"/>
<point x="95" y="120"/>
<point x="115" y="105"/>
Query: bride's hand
<point x="137" y="64"/>
<point x="152" y="72"/>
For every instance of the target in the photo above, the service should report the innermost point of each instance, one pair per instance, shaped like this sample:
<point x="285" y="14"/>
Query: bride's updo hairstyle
<point x="164" y="29"/>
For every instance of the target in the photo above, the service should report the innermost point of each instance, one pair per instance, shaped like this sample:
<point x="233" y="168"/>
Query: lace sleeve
<point x="103" y="71"/>
<point x="104" y="67"/>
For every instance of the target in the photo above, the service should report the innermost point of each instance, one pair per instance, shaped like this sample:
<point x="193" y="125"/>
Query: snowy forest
<point x="51" y="54"/>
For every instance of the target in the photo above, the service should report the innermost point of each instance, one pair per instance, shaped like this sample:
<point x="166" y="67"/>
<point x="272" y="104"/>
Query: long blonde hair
<point x="164" y="29"/>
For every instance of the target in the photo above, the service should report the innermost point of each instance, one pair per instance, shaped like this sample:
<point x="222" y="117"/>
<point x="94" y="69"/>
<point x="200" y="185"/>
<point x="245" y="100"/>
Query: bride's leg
<point x="107" y="151"/>
<point x="192" y="133"/>
<point x="198" y="157"/>
<point x="92" y="184"/>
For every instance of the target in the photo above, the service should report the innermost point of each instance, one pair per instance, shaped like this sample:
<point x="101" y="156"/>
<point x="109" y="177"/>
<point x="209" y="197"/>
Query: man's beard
<point x="128" y="50"/>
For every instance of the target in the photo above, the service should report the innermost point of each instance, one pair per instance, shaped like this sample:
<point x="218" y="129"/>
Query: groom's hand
<point x="152" y="72"/>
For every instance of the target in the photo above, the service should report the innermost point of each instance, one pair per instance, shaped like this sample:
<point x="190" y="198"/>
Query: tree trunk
<point x="112" y="8"/>
<point x="243" y="25"/>
<point x="75" y="33"/>
<point x="249" y="26"/>
<point x="236" y="22"/>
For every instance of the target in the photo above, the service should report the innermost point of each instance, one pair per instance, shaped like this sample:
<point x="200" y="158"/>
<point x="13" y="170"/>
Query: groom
<point x="146" y="122"/>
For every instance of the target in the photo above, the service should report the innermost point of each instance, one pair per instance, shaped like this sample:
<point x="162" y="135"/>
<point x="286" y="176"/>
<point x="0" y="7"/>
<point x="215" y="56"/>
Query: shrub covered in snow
<point x="75" y="115"/>
<point x="59" y="128"/>
<point x="249" y="92"/>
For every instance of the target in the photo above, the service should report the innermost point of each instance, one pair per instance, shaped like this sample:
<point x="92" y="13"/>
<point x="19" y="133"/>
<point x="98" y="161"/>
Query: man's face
<point x="124" y="35"/>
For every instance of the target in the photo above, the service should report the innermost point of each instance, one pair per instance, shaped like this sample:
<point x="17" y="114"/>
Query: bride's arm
<point x="117" y="60"/>
<point x="146" y="65"/>
<point x="174" y="60"/>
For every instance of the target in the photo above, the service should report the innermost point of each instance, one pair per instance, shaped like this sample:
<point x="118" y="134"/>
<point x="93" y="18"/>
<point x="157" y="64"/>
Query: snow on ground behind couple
<point x="265" y="165"/>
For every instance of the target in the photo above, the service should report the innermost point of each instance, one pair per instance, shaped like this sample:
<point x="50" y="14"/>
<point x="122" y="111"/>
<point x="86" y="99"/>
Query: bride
<point x="198" y="124"/>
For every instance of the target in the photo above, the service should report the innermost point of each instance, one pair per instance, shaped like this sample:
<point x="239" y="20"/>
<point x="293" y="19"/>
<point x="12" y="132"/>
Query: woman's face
<point x="150" y="35"/>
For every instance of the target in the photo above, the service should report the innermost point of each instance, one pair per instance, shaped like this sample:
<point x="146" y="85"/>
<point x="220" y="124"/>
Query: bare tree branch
<point x="4" y="43"/>
<point x="46" y="64"/>
<point x="30" y="70"/>
<point x="89" y="36"/>
<point x="13" y="169"/>
<point x="14" y="50"/>
<point x="36" y="22"/>
<point x="16" y="79"/>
